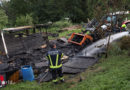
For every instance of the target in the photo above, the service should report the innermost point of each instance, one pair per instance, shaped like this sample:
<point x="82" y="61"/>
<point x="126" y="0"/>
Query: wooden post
<point x="40" y="30"/>
<point x="27" y="32"/>
<point x="5" y="46"/>
<point x="34" y="29"/>
<point x="108" y="44"/>
<point x="47" y="41"/>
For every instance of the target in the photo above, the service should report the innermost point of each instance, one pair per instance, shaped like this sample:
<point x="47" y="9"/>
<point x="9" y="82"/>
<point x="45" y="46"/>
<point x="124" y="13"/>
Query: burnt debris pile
<point x="30" y="50"/>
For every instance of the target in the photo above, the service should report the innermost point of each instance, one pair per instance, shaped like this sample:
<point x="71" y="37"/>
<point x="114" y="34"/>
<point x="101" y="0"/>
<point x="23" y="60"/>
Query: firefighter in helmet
<point x="55" y="63"/>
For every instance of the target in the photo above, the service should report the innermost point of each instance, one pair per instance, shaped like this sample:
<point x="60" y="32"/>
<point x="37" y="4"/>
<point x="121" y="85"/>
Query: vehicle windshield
<point x="113" y="18"/>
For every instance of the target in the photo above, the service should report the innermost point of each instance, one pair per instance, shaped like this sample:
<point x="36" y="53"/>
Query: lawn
<point x="109" y="74"/>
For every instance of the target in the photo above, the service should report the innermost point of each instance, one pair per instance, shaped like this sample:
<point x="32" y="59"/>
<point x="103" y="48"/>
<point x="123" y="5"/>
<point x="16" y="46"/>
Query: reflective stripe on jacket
<point x="54" y="56"/>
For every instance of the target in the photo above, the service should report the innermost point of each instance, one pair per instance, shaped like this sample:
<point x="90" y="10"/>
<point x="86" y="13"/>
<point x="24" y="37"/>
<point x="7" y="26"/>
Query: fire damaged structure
<point x="19" y="47"/>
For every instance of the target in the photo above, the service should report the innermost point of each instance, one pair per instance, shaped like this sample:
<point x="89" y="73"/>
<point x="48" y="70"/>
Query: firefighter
<point x="55" y="64"/>
<point x="124" y="27"/>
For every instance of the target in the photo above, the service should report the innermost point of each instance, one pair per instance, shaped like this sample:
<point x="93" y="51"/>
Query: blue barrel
<point x="27" y="73"/>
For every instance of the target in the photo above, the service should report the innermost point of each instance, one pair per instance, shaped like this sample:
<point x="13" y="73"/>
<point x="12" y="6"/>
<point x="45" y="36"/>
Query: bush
<point x="62" y="23"/>
<point x="24" y="20"/>
<point x="115" y="49"/>
<point x="125" y="43"/>
<point x="3" y="18"/>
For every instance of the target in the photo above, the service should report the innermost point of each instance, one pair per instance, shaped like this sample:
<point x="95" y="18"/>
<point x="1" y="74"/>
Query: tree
<point x="16" y="8"/>
<point x="6" y="6"/>
<point x="50" y="10"/>
<point x="24" y="20"/>
<point x="54" y="10"/>
<point x="3" y="19"/>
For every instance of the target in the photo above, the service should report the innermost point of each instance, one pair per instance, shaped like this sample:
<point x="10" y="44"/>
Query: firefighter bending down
<point x="55" y="63"/>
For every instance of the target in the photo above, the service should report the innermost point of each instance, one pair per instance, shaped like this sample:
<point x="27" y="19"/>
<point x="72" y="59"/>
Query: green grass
<point x="62" y="23"/>
<point x="56" y="26"/>
<point x="59" y="25"/>
<point x="112" y="73"/>
<point x="66" y="34"/>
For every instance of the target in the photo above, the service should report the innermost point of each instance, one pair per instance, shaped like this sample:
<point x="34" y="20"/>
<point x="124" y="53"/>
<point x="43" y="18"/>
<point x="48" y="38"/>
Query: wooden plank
<point x="19" y="28"/>
<point x="27" y="27"/>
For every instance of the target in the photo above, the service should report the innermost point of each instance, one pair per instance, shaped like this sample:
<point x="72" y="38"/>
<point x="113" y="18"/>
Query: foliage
<point x="59" y="25"/>
<point x="3" y="19"/>
<point x="55" y="10"/>
<point x="62" y="23"/>
<point x="115" y="49"/>
<point x="125" y="43"/>
<point x="56" y="26"/>
<point x="20" y="7"/>
<point x="66" y="34"/>
<point x="24" y="20"/>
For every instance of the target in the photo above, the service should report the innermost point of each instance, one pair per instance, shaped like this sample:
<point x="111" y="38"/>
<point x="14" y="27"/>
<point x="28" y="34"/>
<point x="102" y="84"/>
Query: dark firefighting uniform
<point x="55" y="64"/>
